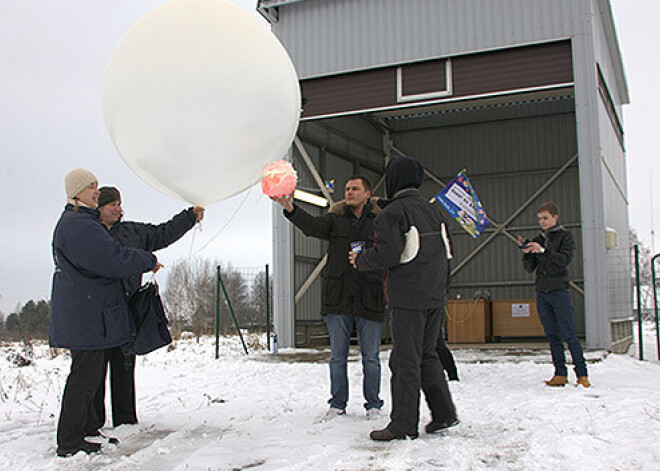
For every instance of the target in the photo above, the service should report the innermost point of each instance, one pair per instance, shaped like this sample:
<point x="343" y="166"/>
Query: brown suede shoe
<point x="557" y="381"/>
<point x="583" y="381"/>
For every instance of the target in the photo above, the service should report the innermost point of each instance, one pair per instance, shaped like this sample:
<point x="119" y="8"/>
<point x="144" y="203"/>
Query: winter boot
<point x="384" y="435"/>
<point x="583" y="381"/>
<point x="434" y="426"/>
<point x="557" y="381"/>
<point x="84" y="445"/>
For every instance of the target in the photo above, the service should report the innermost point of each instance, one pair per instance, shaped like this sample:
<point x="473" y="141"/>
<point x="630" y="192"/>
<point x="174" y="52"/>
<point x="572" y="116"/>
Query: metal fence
<point x="243" y="303"/>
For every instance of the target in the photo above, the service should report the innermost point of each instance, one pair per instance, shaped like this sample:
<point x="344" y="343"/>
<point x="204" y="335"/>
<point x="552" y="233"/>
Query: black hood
<point x="403" y="172"/>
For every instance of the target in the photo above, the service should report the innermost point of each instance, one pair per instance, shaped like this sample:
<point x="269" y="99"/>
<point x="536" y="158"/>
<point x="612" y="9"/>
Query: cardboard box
<point x="468" y="321"/>
<point x="516" y="318"/>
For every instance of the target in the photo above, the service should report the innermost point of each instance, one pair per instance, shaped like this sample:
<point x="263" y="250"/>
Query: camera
<point x="525" y="243"/>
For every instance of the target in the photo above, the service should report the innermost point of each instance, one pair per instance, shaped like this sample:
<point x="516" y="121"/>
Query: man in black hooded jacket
<point x="411" y="248"/>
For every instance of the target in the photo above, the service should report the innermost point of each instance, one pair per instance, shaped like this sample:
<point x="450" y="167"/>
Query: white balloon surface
<point x="198" y="95"/>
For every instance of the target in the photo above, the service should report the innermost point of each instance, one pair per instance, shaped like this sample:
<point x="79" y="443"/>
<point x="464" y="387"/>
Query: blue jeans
<point x="556" y="313"/>
<point x="339" y="328"/>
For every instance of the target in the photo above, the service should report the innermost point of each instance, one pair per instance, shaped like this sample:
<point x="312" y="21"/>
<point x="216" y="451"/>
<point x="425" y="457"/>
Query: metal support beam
<point x="319" y="182"/>
<point x="310" y="165"/>
<point x="496" y="226"/>
<point x="500" y="228"/>
<point x="378" y="184"/>
<point x="311" y="278"/>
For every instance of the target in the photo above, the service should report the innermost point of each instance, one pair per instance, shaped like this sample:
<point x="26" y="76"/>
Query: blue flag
<point x="461" y="201"/>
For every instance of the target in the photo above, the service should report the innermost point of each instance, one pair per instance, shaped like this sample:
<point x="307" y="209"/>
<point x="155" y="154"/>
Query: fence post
<point x="217" y="313"/>
<point x="655" y="303"/>
<point x="267" y="310"/>
<point x="639" y="304"/>
<point x="233" y="315"/>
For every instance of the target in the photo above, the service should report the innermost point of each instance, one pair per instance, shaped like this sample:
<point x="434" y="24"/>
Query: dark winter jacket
<point x="421" y="283"/>
<point x="151" y="237"/>
<point x="345" y="290"/>
<point x="552" y="265"/>
<point x="88" y="308"/>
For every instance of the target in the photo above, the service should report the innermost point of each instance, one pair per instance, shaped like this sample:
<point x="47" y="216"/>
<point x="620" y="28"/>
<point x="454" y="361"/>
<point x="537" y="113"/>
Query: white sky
<point x="637" y="30"/>
<point x="52" y="57"/>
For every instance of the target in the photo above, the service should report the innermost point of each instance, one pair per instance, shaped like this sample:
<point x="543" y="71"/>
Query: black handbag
<point x="151" y="330"/>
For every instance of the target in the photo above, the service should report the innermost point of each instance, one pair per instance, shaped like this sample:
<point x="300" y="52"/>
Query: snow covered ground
<point x="262" y="412"/>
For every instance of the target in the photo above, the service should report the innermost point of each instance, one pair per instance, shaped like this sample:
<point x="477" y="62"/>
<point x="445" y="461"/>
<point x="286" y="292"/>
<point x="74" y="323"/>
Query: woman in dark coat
<point x="88" y="312"/>
<point x="149" y="237"/>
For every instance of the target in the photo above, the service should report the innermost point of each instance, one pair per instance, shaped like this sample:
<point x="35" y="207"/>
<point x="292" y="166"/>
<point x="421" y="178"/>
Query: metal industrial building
<point x="524" y="94"/>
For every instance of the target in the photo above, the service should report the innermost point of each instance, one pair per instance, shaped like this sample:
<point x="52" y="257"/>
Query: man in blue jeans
<point x="348" y="297"/>
<point x="549" y="254"/>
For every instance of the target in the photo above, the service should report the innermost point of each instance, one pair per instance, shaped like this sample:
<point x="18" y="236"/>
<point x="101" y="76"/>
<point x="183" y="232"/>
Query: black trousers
<point x="122" y="389"/>
<point x="444" y="354"/>
<point x="78" y="413"/>
<point x="415" y="366"/>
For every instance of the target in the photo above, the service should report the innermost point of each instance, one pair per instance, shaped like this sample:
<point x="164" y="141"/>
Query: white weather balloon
<point x="198" y="95"/>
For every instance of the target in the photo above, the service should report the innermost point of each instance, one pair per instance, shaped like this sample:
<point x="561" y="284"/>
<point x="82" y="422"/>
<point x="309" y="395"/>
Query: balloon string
<point x="238" y="208"/>
<point x="191" y="253"/>
<point x="192" y="240"/>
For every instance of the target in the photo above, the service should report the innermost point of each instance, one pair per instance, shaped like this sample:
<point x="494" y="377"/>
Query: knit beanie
<point x="108" y="194"/>
<point x="76" y="181"/>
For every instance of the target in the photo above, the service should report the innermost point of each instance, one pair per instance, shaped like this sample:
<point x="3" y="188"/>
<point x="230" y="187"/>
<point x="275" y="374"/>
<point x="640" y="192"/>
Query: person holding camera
<point x="548" y="255"/>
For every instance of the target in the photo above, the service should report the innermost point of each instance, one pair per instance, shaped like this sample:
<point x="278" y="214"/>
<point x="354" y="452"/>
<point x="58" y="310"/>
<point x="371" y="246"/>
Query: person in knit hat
<point x="80" y="183"/>
<point x="149" y="237"/>
<point x="88" y="310"/>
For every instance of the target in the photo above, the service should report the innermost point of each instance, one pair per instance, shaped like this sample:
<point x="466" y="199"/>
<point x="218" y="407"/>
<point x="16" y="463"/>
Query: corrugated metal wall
<point x="329" y="36"/>
<point x="307" y="250"/>
<point x="615" y="186"/>
<point x="547" y="65"/>
<point x="615" y="206"/>
<point x="509" y="150"/>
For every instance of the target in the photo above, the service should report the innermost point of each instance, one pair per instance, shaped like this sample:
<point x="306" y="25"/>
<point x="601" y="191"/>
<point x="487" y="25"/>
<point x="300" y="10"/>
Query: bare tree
<point x="3" y="333"/>
<point x="645" y="274"/>
<point x="258" y="298"/>
<point x="190" y="295"/>
<point x="239" y="296"/>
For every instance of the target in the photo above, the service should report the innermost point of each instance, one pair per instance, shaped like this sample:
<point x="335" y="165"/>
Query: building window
<point x="423" y="81"/>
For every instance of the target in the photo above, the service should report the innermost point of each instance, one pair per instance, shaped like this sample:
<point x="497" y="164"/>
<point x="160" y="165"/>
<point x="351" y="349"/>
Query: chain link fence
<point x="201" y="293"/>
